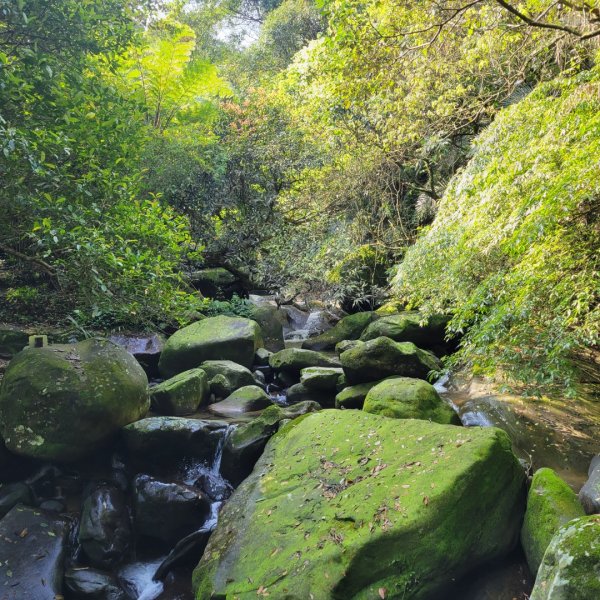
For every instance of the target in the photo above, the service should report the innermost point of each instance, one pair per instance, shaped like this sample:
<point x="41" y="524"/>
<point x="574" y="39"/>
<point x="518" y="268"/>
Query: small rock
<point x="225" y="376"/>
<point x="293" y="360"/>
<point x="90" y="584"/>
<point x="249" y="398"/>
<point x="321" y="378"/>
<point x="182" y="394"/>
<point x="354" y="396"/>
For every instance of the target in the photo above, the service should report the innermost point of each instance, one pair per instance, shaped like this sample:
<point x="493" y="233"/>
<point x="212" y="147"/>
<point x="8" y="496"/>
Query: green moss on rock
<point x="249" y="398"/>
<point x="570" y="569"/>
<point x="225" y="376"/>
<point x="215" y="338"/>
<point x="408" y="398"/>
<point x="550" y="504"/>
<point x="321" y="378"/>
<point x="344" y="503"/>
<point x="293" y="360"/>
<point x="348" y="328"/>
<point x="182" y="394"/>
<point x="354" y="395"/>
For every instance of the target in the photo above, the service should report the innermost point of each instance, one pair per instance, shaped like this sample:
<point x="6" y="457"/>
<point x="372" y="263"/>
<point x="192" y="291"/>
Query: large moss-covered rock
<point x="181" y="395"/>
<point x="343" y="504"/>
<point x="215" y="338"/>
<point x="60" y="402"/>
<point x="321" y="378"/>
<point x="348" y="328"/>
<point x="249" y="398"/>
<point x="570" y="569"/>
<point x="226" y="376"/>
<point x="354" y="396"/>
<point x="293" y="360"/>
<point x="551" y="503"/>
<point x="408" y="398"/>
<point x="409" y="326"/>
<point x="382" y="357"/>
<point x="272" y="320"/>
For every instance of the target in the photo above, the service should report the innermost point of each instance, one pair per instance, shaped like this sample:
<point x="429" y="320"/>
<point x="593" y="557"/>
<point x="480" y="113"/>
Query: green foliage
<point x="513" y="253"/>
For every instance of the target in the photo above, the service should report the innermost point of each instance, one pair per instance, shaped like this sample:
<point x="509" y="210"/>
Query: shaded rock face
<point x="181" y="395"/>
<point x="216" y="283"/>
<point x="158" y="439"/>
<point x="249" y="398"/>
<point x="354" y="395"/>
<point x="551" y="503"/>
<point x="225" y="376"/>
<point x="145" y="348"/>
<point x="60" y="402"/>
<point x="272" y="320"/>
<point x="408" y="398"/>
<point x="93" y="585"/>
<point x="382" y="357"/>
<point x="321" y="378"/>
<point x="589" y="495"/>
<point x="570" y="569"/>
<point x="214" y="338"/>
<point x="167" y="511"/>
<point x="12" y="341"/>
<point x="300" y="393"/>
<point x="410" y="326"/>
<point x="32" y="548"/>
<point x="293" y="360"/>
<point x="367" y="503"/>
<point x="105" y="527"/>
<point x="348" y="328"/>
<point x="12" y="494"/>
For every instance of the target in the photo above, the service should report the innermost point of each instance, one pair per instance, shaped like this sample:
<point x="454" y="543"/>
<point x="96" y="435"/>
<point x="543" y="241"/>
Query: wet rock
<point x="293" y="360"/>
<point x="347" y="345"/>
<point x="354" y="395"/>
<point x="286" y="380"/>
<point x="55" y="506"/>
<point x="12" y="341"/>
<point x="348" y="328"/>
<point x="32" y="549"/>
<point x="300" y="393"/>
<point x="90" y="584"/>
<point x="12" y="494"/>
<point x="551" y="503"/>
<point x="410" y="326"/>
<point x="589" y="495"/>
<point x="43" y="482"/>
<point x="570" y="569"/>
<point x="214" y="486"/>
<point x="382" y="357"/>
<point x="62" y="402"/>
<point x="105" y="527"/>
<point x="300" y="408"/>
<point x="260" y="378"/>
<point x="249" y="398"/>
<point x="321" y="378"/>
<point x="225" y="376"/>
<point x="145" y="348"/>
<point x="187" y="551"/>
<point x="272" y="320"/>
<point x="408" y="398"/>
<point x="182" y="394"/>
<point x="356" y="502"/>
<point x="261" y="357"/>
<point x="168" y="511"/>
<point x="215" y="338"/>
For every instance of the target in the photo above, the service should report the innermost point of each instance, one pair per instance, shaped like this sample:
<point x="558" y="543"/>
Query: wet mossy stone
<point x="226" y="376"/>
<point x="344" y="503"/>
<point x="293" y="360"/>
<point x="348" y="328"/>
<point x="182" y="394"/>
<point x="321" y="378"/>
<point x="249" y="398"/>
<point x="346" y="345"/>
<point x="570" y="569"/>
<point x="408" y="398"/>
<point x="409" y="326"/>
<point x="90" y="584"/>
<point x="215" y="338"/>
<point x="382" y="357"/>
<point x="354" y="395"/>
<point x="551" y="503"/>
<point x="62" y="401"/>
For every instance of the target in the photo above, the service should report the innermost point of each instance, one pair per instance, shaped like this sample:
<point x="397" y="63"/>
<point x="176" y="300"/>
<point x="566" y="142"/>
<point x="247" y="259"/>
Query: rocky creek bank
<point x="333" y="470"/>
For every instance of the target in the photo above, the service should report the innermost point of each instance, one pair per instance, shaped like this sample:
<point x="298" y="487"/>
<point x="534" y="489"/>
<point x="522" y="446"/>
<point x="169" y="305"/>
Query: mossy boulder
<point x="410" y="326"/>
<point x="215" y="338"/>
<point x="293" y="360"/>
<point x="12" y="341"/>
<point x="348" y="328"/>
<point x="347" y="345"/>
<point x="321" y="378"/>
<point x="181" y="395"/>
<point x="354" y="395"/>
<point x="215" y="282"/>
<point x="382" y="357"/>
<point x="570" y="569"/>
<point x="62" y="401"/>
<point x="226" y="376"/>
<point x="249" y="398"/>
<point x="261" y="357"/>
<point x="343" y="504"/>
<point x="272" y="320"/>
<point x="551" y="503"/>
<point x="408" y="398"/>
<point x="301" y="393"/>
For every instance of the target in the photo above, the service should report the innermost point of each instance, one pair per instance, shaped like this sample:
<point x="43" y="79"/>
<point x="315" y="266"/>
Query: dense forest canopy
<point x="314" y="149"/>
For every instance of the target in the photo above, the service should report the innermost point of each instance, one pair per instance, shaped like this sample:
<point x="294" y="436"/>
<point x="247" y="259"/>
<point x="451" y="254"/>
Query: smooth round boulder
<point x="551" y="503"/>
<point x="226" y="376"/>
<point x="214" y="338"/>
<point x="382" y="357"/>
<point x="249" y="398"/>
<point x="408" y="398"/>
<point x="182" y="394"/>
<point x="61" y="402"/>
<point x="570" y="569"/>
